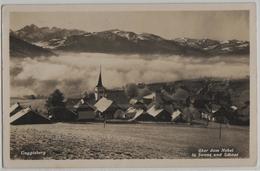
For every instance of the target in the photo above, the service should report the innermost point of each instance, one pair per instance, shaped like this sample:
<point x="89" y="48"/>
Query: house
<point x="159" y="113"/>
<point x="120" y="114"/>
<point x="103" y="104"/>
<point x="206" y="115"/>
<point x="175" y="115"/>
<point x="130" y="112"/>
<point x="119" y="97"/>
<point x="15" y="108"/>
<point x="106" y="108"/>
<point x="84" y="111"/>
<point x="28" y="116"/>
<point x="149" y="98"/>
<point x="137" y="103"/>
<point x="143" y="116"/>
<point x="138" y="113"/>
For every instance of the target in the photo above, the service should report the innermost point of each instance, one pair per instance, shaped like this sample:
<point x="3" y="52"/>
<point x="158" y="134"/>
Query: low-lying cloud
<point x="74" y="73"/>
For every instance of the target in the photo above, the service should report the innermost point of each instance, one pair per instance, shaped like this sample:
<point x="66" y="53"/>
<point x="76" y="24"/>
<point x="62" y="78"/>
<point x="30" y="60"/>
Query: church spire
<point x="99" y="84"/>
<point x="100" y="89"/>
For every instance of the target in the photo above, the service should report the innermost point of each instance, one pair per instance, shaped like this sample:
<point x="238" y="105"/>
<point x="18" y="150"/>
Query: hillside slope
<point x="21" y="48"/>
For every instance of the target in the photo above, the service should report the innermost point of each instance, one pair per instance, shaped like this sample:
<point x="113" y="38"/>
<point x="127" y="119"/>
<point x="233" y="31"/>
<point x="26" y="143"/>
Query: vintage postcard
<point x="169" y="85"/>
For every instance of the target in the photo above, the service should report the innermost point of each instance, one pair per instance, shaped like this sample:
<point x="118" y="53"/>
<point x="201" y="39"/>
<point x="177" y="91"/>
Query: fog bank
<point x="74" y="73"/>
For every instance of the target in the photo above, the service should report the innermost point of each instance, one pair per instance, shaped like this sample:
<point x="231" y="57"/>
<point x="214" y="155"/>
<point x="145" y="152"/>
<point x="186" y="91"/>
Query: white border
<point x="150" y="1"/>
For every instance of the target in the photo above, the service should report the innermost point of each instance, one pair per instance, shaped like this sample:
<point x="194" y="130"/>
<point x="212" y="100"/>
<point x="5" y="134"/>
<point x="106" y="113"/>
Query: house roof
<point x="134" y="101"/>
<point x="80" y="102"/>
<point x="138" y="113"/>
<point x="175" y="114"/>
<point x="24" y="112"/>
<point x="149" y="96"/>
<point x="153" y="111"/>
<point x="131" y="110"/>
<point x="35" y="104"/>
<point x="83" y="104"/>
<point x="14" y="107"/>
<point x="20" y="114"/>
<point x="103" y="104"/>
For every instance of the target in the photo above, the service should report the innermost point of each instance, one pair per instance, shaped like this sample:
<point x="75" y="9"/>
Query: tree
<point x="56" y="99"/>
<point x="131" y="90"/>
<point x="55" y="105"/>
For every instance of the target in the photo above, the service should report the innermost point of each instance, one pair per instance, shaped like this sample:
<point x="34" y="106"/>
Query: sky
<point x="219" y="25"/>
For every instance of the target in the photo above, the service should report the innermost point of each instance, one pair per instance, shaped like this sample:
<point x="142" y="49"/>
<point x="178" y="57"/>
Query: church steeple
<point x="99" y="84"/>
<point x="99" y="90"/>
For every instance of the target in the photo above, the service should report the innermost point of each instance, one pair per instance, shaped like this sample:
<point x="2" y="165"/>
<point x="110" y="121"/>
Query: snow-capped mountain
<point x="118" y="41"/>
<point x="214" y="47"/>
<point x="34" y="34"/>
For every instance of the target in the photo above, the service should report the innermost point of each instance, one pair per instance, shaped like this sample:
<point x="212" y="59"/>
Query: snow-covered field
<point x="122" y="141"/>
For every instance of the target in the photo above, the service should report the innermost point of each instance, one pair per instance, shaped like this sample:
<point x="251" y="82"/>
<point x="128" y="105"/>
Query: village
<point x="140" y="103"/>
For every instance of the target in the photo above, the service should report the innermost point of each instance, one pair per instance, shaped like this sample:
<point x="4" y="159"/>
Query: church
<point x="102" y="102"/>
<point x="117" y="95"/>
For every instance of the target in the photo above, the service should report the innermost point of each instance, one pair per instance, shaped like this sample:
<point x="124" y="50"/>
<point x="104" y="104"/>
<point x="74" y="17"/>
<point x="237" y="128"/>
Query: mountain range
<point x="117" y="41"/>
<point x="21" y="48"/>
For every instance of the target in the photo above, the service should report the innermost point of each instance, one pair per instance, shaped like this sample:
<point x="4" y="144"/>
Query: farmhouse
<point x="28" y="116"/>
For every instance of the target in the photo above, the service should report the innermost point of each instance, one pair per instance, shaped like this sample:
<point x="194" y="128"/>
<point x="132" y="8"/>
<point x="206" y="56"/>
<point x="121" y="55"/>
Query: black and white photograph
<point x="129" y="84"/>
